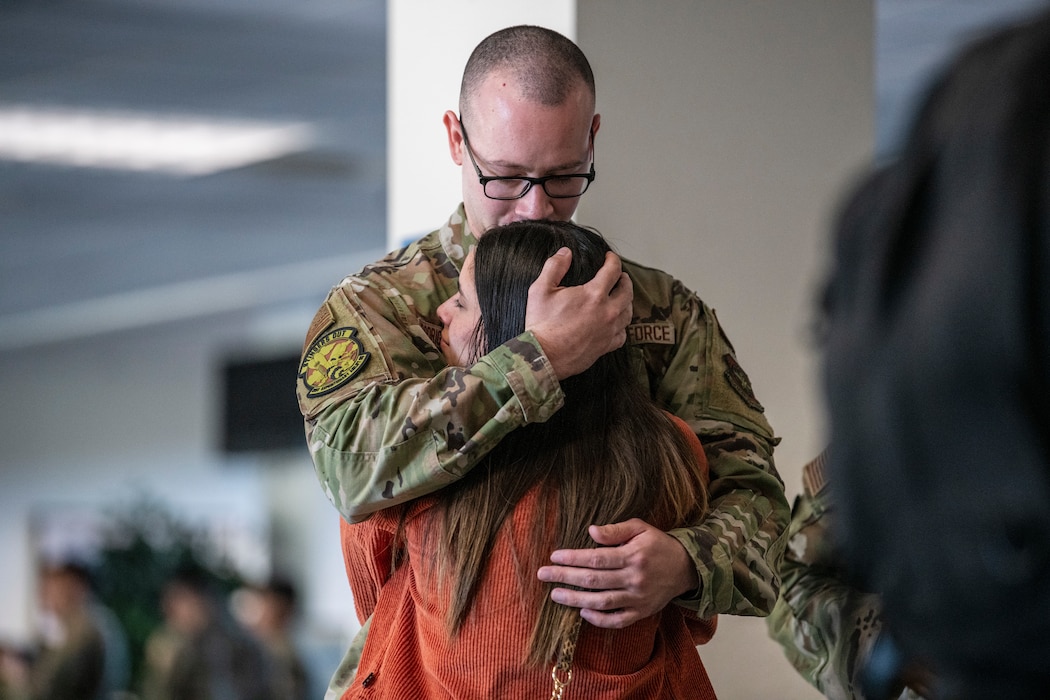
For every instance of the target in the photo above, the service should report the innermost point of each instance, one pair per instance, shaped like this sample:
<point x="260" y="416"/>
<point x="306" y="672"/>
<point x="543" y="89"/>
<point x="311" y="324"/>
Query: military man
<point x="387" y="421"/>
<point x="71" y="662"/>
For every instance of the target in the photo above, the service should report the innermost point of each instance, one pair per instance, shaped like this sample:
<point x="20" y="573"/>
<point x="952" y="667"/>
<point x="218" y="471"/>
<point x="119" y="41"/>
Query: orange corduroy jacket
<point x="409" y="655"/>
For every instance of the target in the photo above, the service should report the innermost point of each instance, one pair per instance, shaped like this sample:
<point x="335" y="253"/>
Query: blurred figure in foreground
<point x="937" y="372"/>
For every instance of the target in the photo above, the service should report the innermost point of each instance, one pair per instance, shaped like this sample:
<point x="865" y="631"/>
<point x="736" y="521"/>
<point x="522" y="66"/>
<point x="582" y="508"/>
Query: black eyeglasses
<point x="556" y="186"/>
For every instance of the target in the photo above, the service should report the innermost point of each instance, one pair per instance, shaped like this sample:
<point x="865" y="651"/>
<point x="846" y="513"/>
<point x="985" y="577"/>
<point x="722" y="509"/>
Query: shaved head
<point x="546" y="66"/>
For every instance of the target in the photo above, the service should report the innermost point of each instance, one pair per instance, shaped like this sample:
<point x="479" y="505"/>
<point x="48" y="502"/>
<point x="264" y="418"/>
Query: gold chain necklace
<point x="561" y="672"/>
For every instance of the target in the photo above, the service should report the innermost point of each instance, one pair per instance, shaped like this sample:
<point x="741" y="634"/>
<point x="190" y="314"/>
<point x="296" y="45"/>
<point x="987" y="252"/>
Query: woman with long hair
<point x="447" y="582"/>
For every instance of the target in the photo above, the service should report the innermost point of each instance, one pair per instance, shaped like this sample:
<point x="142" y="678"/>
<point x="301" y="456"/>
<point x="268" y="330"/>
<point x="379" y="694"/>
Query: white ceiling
<point x="89" y="250"/>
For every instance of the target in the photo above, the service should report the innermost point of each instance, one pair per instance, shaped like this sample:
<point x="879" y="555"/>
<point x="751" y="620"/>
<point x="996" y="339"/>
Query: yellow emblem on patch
<point x="333" y="360"/>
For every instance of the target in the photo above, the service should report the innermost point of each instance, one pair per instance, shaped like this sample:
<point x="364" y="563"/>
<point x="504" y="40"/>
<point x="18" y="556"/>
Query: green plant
<point x="145" y="544"/>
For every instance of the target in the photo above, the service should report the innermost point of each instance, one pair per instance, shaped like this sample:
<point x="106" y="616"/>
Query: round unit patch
<point x="332" y="360"/>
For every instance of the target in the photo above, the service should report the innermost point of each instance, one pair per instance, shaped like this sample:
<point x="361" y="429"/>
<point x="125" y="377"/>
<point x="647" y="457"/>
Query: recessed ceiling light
<point x="182" y="145"/>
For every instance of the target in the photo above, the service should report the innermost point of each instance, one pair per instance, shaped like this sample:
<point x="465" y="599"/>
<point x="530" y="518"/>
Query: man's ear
<point x="455" y="136"/>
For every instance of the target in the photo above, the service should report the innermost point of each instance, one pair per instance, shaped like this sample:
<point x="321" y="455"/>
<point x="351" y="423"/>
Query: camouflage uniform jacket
<point x="826" y="627"/>
<point x="387" y="421"/>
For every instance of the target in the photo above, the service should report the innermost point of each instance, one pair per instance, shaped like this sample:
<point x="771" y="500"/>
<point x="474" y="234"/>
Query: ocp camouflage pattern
<point x="826" y="626"/>
<point x="405" y="424"/>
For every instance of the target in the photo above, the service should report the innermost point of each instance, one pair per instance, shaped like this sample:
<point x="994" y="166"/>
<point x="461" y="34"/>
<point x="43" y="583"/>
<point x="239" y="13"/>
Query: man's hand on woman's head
<point x="577" y="325"/>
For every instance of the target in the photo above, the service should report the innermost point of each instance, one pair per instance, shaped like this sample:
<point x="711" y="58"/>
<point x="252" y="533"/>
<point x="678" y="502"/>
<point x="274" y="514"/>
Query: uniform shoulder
<point x="418" y="266"/>
<point x="633" y="267"/>
<point x="655" y="285"/>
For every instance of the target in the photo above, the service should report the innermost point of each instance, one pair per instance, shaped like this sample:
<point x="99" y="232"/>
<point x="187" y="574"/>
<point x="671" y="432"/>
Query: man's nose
<point x="535" y="204"/>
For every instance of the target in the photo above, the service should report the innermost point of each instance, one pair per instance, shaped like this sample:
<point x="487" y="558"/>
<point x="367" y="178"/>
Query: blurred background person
<point x="14" y="666"/>
<point x="937" y="371"/>
<point x="269" y="612"/>
<point x="202" y="653"/>
<point x="77" y="636"/>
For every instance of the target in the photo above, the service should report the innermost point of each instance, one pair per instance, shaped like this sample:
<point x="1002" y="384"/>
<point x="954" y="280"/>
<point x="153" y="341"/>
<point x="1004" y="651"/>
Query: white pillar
<point x="428" y="44"/>
<point x="729" y="132"/>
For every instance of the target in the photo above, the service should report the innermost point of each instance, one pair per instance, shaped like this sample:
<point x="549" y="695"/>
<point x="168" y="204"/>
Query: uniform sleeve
<point x="702" y="629"/>
<point x="825" y="626"/>
<point x="344" y="674"/>
<point x="386" y="421"/>
<point x="738" y="547"/>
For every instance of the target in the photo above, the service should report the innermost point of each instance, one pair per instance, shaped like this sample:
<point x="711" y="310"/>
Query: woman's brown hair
<point x="608" y="455"/>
